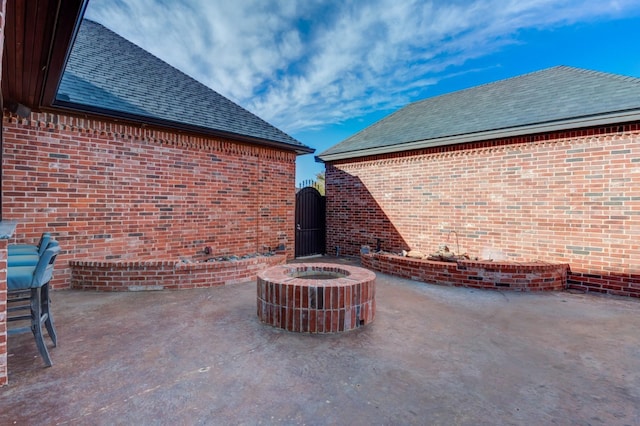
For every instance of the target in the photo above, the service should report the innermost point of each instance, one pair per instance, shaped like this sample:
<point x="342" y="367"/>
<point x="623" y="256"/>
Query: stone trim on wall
<point x="491" y="146"/>
<point x="123" y="131"/>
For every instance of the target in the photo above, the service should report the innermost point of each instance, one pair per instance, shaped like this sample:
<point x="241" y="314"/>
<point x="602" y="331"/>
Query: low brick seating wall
<point x="518" y="276"/>
<point x="166" y="275"/>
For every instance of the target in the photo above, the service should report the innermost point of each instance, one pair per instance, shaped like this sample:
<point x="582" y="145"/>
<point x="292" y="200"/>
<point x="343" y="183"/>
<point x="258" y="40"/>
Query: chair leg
<point x="46" y="311"/>
<point x="36" y="325"/>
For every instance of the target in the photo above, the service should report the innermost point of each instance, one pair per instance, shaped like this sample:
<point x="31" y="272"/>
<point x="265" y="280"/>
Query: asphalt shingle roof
<point x="540" y="101"/>
<point x="108" y="74"/>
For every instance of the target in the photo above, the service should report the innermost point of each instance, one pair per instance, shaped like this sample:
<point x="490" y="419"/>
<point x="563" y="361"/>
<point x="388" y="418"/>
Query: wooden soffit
<point x="38" y="36"/>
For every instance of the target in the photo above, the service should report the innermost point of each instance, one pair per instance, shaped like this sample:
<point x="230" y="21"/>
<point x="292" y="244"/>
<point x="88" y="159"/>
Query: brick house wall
<point x="111" y="191"/>
<point x="568" y="197"/>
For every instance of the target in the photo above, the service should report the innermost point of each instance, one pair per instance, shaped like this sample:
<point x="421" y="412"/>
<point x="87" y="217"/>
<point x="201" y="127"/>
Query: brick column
<point x="3" y="311"/>
<point x="3" y="243"/>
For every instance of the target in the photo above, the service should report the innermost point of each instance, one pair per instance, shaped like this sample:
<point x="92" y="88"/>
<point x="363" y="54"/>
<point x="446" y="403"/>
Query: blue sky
<point x="324" y="70"/>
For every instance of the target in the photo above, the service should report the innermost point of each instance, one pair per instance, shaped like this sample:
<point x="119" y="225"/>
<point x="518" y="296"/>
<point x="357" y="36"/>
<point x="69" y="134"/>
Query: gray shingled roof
<point x="556" y="98"/>
<point x="108" y="74"/>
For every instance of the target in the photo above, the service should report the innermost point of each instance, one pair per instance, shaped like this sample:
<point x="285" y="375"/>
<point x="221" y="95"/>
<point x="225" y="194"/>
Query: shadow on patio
<point x="433" y="355"/>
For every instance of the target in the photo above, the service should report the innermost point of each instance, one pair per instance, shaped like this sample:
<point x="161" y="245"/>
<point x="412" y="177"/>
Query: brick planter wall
<point x="566" y="197"/>
<point x="115" y="192"/>
<point x="166" y="275"/>
<point x="529" y="276"/>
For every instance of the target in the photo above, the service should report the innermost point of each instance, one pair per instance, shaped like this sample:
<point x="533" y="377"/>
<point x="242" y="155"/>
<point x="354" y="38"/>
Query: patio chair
<point x="31" y="283"/>
<point x="29" y="248"/>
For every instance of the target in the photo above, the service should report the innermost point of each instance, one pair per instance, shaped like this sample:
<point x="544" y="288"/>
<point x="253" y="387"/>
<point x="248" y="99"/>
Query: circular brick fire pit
<point x="316" y="297"/>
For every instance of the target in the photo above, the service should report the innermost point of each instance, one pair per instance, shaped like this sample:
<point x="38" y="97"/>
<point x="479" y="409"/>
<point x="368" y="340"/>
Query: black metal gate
<point x="310" y="222"/>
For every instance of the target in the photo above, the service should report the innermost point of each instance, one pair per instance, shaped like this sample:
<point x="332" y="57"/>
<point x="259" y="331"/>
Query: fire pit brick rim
<point x="295" y="304"/>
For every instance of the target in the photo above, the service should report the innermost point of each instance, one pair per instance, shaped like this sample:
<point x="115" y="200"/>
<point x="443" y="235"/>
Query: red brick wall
<point x="571" y="197"/>
<point x="110" y="191"/>
<point x="3" y="263"/>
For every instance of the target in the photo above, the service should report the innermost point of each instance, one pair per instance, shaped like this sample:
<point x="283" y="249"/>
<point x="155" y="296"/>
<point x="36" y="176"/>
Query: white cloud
<point x="305" y="64"/>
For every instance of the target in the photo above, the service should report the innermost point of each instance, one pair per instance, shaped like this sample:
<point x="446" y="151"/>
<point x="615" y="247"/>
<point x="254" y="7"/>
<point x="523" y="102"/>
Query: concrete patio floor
<point x="433" y="355"/>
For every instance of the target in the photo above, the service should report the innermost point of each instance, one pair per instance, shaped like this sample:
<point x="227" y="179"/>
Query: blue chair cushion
<point x="25" y="249"/>
<point x="28" y="248"/>
<point x="23" y="277"/>
<point x="20" y="277"/>
<point x="22" y="249"/>
<point x="22" y="259"/>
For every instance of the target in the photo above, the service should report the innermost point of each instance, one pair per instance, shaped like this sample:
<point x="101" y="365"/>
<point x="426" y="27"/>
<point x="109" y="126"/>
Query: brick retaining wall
<point x="525" y="276"/>
<point x="166" y="275"/>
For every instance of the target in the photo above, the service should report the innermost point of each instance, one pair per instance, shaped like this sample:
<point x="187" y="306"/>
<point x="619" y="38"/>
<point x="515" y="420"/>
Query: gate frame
<point x="320" y="247"/>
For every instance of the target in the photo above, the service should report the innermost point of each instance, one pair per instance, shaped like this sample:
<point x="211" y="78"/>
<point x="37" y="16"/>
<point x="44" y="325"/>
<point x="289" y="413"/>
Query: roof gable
<point x="109" y="75"/>
<point x="552" y="99"/>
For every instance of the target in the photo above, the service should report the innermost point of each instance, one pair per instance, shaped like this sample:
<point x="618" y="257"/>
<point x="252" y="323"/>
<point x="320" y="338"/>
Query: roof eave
<point x="567" y="124"/>
<point x="38" y="38"/>
<point x="66" y="30"/>
<point x="181" y="127"/>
